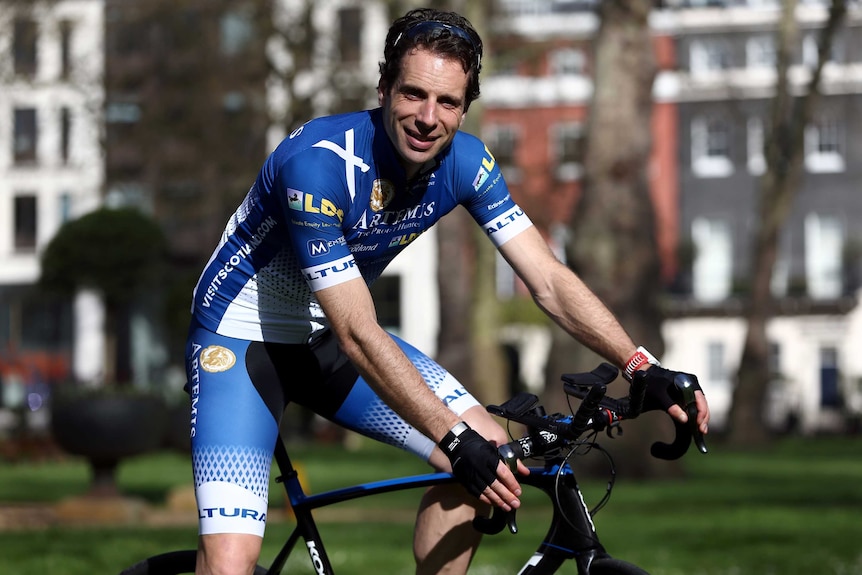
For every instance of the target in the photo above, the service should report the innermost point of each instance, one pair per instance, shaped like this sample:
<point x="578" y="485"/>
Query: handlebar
<point x="596" y="412"/>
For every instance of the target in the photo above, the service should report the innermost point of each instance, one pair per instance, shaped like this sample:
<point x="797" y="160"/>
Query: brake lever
<point x="685" y="432"/>
<point x="683" y="382"/>
<point x="496" y="522"/>
<point x="499" y="518"/>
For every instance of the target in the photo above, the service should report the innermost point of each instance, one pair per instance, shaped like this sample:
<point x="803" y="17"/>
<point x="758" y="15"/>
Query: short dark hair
<point x="444" y="33"/>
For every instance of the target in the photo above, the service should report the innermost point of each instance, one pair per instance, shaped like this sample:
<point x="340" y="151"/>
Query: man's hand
<point x="661" y="393"/>
<point x="476" y="464"/>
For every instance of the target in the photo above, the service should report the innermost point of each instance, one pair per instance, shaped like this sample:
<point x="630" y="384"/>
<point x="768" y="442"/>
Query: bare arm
<point x="381" y="362"/>
<point x="561" y="294"/>
<point x="394" y="378"/>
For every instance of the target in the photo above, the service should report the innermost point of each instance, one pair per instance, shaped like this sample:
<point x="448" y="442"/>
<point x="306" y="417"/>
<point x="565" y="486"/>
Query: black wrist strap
<point x="450" y="441"/>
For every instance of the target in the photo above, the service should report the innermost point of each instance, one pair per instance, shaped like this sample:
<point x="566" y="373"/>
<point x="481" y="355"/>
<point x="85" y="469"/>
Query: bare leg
<point x="444" y="540"/>
<point x="227" y="554"/>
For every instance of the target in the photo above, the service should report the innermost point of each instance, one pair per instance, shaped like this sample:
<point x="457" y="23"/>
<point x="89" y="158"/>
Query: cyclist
<point x="282" y="311"/>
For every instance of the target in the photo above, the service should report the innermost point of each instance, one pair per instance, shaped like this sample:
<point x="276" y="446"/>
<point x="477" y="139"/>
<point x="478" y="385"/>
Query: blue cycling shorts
<point x="239" y="390"/>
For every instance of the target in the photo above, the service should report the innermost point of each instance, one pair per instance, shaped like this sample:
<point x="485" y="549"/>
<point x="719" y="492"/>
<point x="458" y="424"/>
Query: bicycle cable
<point x="583" y="447"/>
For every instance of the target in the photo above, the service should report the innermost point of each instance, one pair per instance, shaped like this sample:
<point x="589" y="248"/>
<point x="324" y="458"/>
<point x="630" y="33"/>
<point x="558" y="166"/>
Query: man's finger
<point x="702" y="412"/>
<point x="677" y="413"/>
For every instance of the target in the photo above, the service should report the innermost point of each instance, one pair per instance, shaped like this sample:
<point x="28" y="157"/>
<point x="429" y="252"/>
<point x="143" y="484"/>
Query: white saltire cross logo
<point x="351" y="160"/>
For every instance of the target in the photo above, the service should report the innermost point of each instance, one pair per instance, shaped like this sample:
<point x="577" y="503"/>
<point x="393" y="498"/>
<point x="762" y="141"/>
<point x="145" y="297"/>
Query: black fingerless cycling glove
<point x="661" y="392"/>
<point x="474" y="459"/>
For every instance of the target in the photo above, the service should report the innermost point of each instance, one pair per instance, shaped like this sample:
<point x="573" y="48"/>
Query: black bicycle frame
<point x="572" y="534"/>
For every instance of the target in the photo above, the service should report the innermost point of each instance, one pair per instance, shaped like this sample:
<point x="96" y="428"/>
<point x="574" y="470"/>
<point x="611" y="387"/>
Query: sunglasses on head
<point x="434" y="29"/>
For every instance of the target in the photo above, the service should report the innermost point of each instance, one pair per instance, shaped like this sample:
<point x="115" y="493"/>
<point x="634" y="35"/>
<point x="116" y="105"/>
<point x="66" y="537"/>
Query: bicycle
<point x="552" y="438"/>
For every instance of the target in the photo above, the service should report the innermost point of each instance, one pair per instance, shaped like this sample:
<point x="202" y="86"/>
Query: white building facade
<point x="51" y="165"/>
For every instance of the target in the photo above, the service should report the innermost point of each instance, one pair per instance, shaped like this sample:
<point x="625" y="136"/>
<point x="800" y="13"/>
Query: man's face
<point x="424" y="109"/>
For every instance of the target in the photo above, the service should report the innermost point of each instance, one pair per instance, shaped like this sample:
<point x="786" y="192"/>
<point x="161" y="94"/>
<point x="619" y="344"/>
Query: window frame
<point x="565" y="135"/>
<point x="25" y="221"/>
<point x="705" y="162"/>
<point x="824" y="145"/>
<point x="25" y="136"/>
<point x="25" y="46"/>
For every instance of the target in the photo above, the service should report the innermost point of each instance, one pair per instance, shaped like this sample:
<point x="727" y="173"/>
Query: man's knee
<point x="227" y="554"/>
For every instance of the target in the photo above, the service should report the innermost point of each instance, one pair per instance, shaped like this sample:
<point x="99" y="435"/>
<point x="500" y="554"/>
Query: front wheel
<point x="611" y="566"/>
<point x="173" y="563"/>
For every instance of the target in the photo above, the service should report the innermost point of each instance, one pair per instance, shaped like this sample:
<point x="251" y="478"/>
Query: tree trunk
<point x="784" y="148"/>
<point x="455" y="284"/>
<point x="612" y="236"/>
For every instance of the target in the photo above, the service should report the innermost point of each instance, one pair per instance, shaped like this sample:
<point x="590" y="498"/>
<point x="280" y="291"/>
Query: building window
<point x="755" y="143"/>
<point x="65" y="134"/>
<point x="811" y="50"/>
<point x="503" y="142"/>
<point x="716" y="371"/>
<point x="237" y="31"/>
<point x="386" y="291"/>
<point x="349" y="35"/>
<point x="567" y="61"/>
<point x="823" y="146"/>
<point x="567" y="140"/>
<point x="24" y="46"/>
<point x="712" y="271"/>
<point x="710" y="148"/>
<point x="117" y="112"/>
<point x="65" y="207"/>
<point x="708" y="56"/>
<point x="65" y="49"/>
<point x="25" y="222"/>
<point x="774" y="358"/>
<point x="779" y="284"/>
<point x="824" y="245"/>
<point x="830" y="390"/>
<point x="25" y="136"/>
<point x="760" y="53"/>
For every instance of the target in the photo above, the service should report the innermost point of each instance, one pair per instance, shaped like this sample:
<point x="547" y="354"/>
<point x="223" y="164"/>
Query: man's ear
<point x="381" y="93"/>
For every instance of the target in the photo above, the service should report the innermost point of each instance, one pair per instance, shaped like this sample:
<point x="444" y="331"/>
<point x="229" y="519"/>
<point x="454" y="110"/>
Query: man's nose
<point x="427" y="113"/>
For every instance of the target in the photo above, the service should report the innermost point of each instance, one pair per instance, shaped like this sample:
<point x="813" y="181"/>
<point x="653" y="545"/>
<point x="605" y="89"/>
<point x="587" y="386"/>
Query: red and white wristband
<point x="637" y="361"/>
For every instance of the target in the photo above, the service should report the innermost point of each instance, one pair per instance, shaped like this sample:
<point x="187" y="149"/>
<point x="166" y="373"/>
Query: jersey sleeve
<point x="315" y="201"/>
<point x="484" y="192"/>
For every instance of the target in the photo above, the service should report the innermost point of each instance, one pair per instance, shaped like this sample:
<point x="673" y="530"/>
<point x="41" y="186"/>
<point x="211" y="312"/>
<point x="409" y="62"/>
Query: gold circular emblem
<point x="216" y="358"/>
<point x="382" y="192"/>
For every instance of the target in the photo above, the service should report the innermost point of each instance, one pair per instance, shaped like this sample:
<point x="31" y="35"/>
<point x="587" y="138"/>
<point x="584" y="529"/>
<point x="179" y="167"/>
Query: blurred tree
<point x="783" y="150"/>
<point x="120" y="254"/>
<point x="611" y="242"/>
<point x="185" y="122"/>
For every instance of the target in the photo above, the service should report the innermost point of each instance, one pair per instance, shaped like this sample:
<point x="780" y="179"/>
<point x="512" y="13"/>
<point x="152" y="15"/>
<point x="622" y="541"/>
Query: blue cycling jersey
<point x="332" y="203"/>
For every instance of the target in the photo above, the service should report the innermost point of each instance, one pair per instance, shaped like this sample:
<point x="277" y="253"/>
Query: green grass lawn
<point x="796" y="508"/>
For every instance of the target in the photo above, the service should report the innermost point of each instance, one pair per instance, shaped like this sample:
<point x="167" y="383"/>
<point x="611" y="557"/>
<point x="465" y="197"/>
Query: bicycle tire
<point x="172" y="563"/>
<point x="612" y="566"/>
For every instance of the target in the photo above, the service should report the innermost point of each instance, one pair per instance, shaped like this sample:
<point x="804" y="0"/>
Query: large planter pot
<point x="106" y="426"/>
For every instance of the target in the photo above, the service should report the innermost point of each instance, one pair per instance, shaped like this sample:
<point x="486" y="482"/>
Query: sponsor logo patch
<point x="382" y="192"/>
<point x="317" y="248"/>
<point x="216" y="358"/>
<point x="481" y="177"/>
